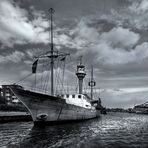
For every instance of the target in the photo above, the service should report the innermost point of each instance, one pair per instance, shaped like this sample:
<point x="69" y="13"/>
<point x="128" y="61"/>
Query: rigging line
<point x="71" y="66"/>
<point x="63" y="74"/>
<point x="56" y="78"/>
<point x="63" y="87"/>
<point x="23" y="78"/>
<point x="59" y="74"/>
<point x="48" y="76"/>
<point x="45" y="76"/>
<point x="33" y="86"/>
<point x="59" y="78"/>
<point x="42" y="73"/>
<point x="46" y="82"/>
<point x="35" y="81"/>
<point x="42" y="76"/>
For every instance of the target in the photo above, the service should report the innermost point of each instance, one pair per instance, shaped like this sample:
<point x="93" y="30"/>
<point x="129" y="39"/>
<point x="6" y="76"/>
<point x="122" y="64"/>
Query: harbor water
<point x="111" y="130"/>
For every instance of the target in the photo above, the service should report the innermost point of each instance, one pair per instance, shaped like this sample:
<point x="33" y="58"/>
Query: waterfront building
<point x="141" y="109"/>
<point x="6" y="93"/>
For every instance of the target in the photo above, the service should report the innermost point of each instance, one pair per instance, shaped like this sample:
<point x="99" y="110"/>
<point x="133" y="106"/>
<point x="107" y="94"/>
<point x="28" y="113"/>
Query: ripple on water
<point x="111" y="130"/>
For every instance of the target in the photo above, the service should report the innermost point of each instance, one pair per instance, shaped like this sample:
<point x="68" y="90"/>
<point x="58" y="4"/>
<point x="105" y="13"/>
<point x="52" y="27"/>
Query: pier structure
<point x="81" y="73"/>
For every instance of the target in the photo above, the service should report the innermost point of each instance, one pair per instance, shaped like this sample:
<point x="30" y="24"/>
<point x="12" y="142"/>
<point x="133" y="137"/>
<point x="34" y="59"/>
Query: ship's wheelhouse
<point x="77" y="99"/>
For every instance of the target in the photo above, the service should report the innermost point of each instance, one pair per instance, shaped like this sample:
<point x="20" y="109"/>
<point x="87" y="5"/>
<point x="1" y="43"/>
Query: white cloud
<point x="79" y="37"/>
<point x="137" y="14"/>
<point x="16" y="28"/>
<point x="139" y="7"/>
<point x="109" y="55"/>
<point x="121" y="91"/>
<point x="120" y="37"/>
<point x="113" y="47"/>
<point x="31" y="53"/>
<point x="15" y="57"/>
<point x="134" y="90"/>
<point x="64" y="40"/>
<point x="84" y="33"/>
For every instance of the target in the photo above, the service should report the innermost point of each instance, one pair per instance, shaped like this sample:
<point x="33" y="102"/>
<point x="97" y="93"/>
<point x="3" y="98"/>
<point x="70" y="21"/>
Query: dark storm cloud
<point x="110" y="34"/>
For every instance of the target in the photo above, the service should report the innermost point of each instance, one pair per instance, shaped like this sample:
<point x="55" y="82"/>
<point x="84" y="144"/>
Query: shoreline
<point x="14" y="116"/>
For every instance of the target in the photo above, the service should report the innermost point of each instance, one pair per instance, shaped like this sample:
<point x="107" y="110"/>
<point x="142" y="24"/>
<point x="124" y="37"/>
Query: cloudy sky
<point x="111" y="35"/>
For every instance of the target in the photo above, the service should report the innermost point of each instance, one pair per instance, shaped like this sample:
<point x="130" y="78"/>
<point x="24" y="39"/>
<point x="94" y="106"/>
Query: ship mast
<point x="92" y="83"/>
<point x="52" y="54"/>
<point x="51" y="11"/>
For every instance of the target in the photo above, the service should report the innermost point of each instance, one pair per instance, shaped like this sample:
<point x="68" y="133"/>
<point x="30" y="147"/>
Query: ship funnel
<point x="81" y="75"/>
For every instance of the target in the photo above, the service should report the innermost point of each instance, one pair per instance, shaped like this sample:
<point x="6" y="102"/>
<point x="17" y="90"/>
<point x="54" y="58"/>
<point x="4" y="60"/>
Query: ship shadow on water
<point x="61" y="135"/>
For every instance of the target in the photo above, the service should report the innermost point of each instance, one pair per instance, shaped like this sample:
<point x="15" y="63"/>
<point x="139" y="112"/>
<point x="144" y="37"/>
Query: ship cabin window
<point x="67" y="96"/>
<point x="73" y="96"/>
<point x="79" y="96"/>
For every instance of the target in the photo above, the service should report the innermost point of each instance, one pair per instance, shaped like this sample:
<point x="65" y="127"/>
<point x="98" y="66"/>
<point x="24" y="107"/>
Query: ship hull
<point x="46" y="109"/>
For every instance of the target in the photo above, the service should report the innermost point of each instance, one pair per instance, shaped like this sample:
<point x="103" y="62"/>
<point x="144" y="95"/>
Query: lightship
<point x="56" y="108"/>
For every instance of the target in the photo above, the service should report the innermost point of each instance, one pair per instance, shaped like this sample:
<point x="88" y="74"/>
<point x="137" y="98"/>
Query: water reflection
<point x="56" y="136"/>
<point x="112" y="130"/>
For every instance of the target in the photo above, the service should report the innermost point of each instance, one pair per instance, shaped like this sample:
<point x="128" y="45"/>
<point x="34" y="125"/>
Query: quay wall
<point x="14" y="117"/>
